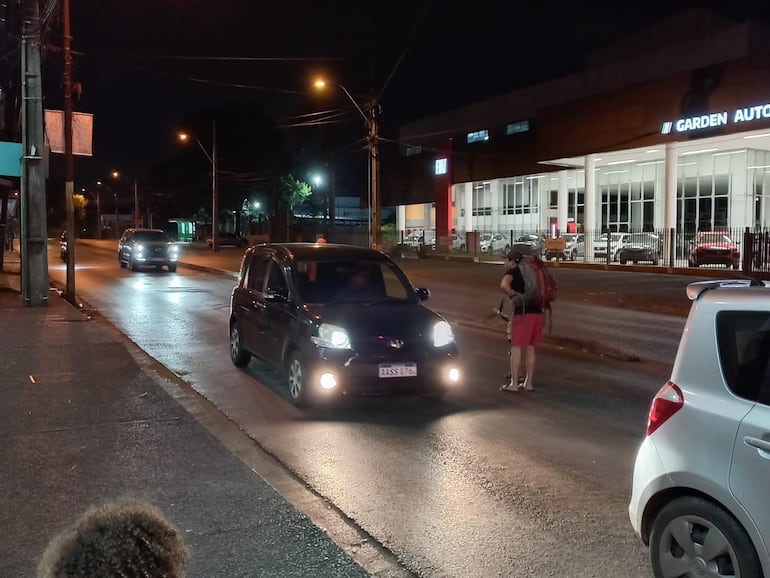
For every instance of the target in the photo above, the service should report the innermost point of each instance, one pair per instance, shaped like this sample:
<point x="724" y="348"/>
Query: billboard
<point x="82" y="132"/>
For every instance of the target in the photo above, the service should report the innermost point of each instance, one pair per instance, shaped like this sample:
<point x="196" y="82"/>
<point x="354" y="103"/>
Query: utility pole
<point x="69" y="165"/>
<point x="34" y="234"/>
<point x="374" y="201"/>
<point x="214" y="193"/>
<point x="136" y="204"/>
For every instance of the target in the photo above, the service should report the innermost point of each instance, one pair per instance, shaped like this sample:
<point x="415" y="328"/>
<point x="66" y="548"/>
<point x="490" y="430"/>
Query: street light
<point x="185" y="137"/>
<point x="372" y="140"/>
<point x="116" y="175"/>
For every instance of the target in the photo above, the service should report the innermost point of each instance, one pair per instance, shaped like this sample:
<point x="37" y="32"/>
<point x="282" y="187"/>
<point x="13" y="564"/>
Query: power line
<point x="409" y="42"/>
<point x="137" y="56"/>
<point x="218" y="82"/>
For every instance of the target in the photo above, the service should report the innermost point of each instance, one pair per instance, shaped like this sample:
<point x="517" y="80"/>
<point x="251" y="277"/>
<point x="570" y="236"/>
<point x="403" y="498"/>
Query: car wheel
<point x="132" y="265"/>
<point x="655" y="261"/>
<point x="735" y="266"/>
<point x="462" y="247"/>
<point x="573" y="256"/>
<point x="238" y="355"/>
<point x="616" y="256"/>
<point x="692" y="536"/>
<point x="622" y="261"/>
<point x="692" y="263"/>
<point x="297" y="380"/>
<point x="172" y="268"/>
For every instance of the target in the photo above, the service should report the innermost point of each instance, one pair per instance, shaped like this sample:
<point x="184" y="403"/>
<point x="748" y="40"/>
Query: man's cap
<point x="514" y="255"/>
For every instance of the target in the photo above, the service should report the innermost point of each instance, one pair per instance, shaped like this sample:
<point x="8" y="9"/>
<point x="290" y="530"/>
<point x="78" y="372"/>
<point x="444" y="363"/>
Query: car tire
<point x="573" y="256"/>
<point x="655" y="261"/>
<point x="735" y="266"/>
<point x="462" y="247"/>
<point x="623" y="261"/>
<point x="297" y="380"/>
<point x="239" y="356"/>
<point x="693" y="263"/>
<point x="702" y="517"/>
<point x="132" y="265"/>
<point x="172" y="267"/>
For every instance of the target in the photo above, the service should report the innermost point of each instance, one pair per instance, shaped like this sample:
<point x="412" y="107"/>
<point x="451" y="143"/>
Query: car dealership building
<point x="667" y="130"/>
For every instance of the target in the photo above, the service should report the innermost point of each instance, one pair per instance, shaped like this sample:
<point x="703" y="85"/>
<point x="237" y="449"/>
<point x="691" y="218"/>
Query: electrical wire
<point x="217" y="82"/>
<point x="409" y="42"/>
<point x="226" y="58"/>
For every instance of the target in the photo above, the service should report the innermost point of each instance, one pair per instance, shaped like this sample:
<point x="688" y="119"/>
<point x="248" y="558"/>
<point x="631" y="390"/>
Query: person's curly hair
<point x="124" y="539"/>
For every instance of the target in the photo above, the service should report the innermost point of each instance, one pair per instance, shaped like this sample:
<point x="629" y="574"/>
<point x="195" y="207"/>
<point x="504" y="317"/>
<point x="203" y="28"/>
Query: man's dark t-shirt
<point x="517" y="284"/>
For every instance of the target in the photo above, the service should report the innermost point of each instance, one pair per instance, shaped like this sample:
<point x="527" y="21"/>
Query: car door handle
<point x="760" y="444"/>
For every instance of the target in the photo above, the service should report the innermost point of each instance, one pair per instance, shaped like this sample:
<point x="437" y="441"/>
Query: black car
<point x="641" y="247"/>
<point x="228" y="240"/>
<point x="339" y="320"/>
<point x="147" y="248"/>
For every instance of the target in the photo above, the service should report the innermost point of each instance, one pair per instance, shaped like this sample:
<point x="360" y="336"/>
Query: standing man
<point x="525" y="325"/>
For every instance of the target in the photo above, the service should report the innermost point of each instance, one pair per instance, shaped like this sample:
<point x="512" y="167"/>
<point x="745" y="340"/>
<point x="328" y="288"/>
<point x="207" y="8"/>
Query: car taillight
<point x="666" y="403"/>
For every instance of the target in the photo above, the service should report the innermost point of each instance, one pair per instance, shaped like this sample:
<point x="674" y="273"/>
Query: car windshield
<point x="527" y="238"/>
<point x="713" y="238"/>
<point x="352" y="281"/>
<point x="641" y="239"/>
<point x="151" y="236"/>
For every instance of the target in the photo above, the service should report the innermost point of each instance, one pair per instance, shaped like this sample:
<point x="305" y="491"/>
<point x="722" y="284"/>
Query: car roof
<point x="321" y="251"/>
<point x="696" y="290"/>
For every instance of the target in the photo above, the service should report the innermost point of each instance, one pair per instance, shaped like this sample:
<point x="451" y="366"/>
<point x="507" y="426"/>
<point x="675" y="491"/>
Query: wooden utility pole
<point x="34" y="233"/>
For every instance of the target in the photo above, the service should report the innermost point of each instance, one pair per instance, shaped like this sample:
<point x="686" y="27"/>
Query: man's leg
<point x="515" y="367"/>
<point x="530" y="363"/>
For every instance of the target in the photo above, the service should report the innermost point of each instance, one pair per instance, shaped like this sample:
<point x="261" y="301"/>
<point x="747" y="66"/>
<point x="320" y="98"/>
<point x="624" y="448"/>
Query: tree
<point x="291" y="193"/>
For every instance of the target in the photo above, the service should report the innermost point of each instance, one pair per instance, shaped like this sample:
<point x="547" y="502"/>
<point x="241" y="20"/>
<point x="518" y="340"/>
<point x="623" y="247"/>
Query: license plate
<point x="398" y="370"/>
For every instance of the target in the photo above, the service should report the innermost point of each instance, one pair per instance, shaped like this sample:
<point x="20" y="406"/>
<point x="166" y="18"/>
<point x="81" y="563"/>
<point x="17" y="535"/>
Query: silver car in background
<point x="700" y="485"/>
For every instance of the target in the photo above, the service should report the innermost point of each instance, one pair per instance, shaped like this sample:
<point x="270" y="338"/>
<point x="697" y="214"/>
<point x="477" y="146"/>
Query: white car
<point x="617" y="242"/>
<point x="699" y="497"/>
<point x="494" y="243"/>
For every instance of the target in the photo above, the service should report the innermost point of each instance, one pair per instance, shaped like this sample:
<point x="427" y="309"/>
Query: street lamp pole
<point x="214" y="192"/>
<point x="212" y="158"/>
<point x="136" y="203"/>
<point x="372" y="138"/>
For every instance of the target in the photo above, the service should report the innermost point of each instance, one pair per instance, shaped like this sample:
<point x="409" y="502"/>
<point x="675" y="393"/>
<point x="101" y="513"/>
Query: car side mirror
<point x="423" y="294"/>
<point x="276" y="296"/>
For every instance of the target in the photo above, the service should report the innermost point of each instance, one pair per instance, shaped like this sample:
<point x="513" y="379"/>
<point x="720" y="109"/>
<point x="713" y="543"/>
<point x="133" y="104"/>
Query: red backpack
<point x="539" y="285"/>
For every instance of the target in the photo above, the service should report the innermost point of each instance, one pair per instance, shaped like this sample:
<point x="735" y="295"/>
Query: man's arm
<point x="505" y="285"/>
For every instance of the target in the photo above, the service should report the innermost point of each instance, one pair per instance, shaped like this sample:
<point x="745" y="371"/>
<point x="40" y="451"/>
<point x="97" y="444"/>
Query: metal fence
<point x="734" y="249"/>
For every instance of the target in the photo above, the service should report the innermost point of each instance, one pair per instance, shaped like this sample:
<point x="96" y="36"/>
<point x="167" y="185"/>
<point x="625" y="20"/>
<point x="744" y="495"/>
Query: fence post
<point x="609" y="246"/>
<point x="748" y="252"/>
<point x="671" y="247"/>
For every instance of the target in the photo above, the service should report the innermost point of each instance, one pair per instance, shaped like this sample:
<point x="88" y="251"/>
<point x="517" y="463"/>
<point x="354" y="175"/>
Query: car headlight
<point x="139" y="248"/>
<point x="331" y="336"/>
<point x="173" y="249"/>
<point x="442" y="334"/>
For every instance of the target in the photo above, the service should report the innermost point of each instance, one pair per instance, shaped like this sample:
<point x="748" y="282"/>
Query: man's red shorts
<point x="526" y="329"/>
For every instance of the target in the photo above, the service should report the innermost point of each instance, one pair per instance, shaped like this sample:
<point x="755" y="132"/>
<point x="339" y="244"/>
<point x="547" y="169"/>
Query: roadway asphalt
<point x="86" y="418"/>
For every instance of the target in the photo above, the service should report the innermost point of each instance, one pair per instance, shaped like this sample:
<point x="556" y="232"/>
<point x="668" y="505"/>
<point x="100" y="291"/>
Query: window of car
<point x="743" y="339"/>
<point x="150" y="236"/>
<point x="255" y="278"/>
<point x="331" y="279"/>
<point x="276" y="281"/>
<point x="713" y="238"/>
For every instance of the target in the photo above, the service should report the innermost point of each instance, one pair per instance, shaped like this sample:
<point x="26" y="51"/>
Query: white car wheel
<point x="694" y="537"/>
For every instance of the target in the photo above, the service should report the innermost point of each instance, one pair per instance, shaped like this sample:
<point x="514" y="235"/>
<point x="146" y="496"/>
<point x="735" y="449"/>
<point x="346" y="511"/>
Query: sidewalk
<point x="85" y="418"/>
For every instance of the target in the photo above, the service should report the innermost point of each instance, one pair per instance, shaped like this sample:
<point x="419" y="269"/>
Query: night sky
<point x="144" y="65"/>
